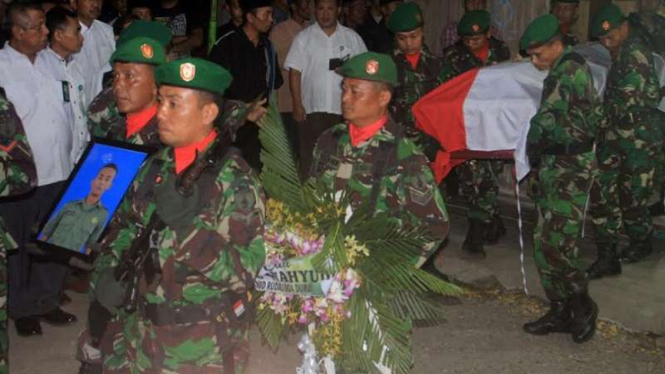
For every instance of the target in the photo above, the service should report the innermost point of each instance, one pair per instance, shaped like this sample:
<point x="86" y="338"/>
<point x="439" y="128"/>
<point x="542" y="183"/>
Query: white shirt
<point x="98" y="46"/>
<point x="49" y="136"/>
<point x="310" y="54"/>
<point x="66" y="80"/>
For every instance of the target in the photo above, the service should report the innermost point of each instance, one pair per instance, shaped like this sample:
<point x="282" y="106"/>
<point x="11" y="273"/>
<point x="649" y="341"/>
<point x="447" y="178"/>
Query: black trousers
<point x="35" y="282"/>
<point x="310" y="130"/>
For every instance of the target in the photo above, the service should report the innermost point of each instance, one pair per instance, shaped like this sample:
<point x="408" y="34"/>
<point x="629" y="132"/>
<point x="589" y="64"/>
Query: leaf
<point x="270" y="325"/>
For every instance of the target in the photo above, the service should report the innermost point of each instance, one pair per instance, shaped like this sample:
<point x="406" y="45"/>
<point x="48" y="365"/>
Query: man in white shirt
<point x="316" y="52"/>
<point x="98" y="45"/>
<point x="35" y="286"/>
<point x="66" y="78"/>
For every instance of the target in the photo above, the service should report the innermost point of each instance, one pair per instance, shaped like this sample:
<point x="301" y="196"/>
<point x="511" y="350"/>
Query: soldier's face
<point x="477" y="42"/>
<point x="363" y="102"/>
<point x="134" y="86"/>
<point x="69" y="37"/>
<point x="410" y="42"/>
<point x="326" y="13"/>
<point x="102" y="182"/>
<point x="614" y="39"/>
<point x="32" y="32"/>
<point x="545" y="56"/>
<point x="566" y="13"/>
<point x="182" y="117"/>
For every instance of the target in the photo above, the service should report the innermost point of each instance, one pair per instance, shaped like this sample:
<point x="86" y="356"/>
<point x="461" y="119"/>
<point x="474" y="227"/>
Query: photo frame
<point x="91" y="196"/>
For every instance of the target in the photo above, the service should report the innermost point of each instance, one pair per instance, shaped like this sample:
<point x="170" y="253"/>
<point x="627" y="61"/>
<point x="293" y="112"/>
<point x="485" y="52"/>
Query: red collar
<point x="184" y="156"/>
<point x="413" y="59"/>
<point x="137" y="121"/>
<point x="483" y="53"/>
<point x="360" y="134"/>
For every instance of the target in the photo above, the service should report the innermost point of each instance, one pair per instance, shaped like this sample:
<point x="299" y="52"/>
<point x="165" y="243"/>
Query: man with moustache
<point x="203" y="208"/>
<point x="98" y="45"/>
<point x="51" y="141"/>
<point x="369" y="159"/>
<point x="317" y="51"/>
<point x="250" y="56"/>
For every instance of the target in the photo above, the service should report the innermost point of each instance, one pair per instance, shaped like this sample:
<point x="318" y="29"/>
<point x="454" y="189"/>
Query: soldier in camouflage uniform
<point x="17" y="176"/>
<point x="631" y="149"/>
<point x="560" y="146"/>
<point x="197" y="210"/>
<point x="566" y="12"/>
<point x="371" y="159"/>
<point x="479" y="178"/>
<point x="417" y="71"/>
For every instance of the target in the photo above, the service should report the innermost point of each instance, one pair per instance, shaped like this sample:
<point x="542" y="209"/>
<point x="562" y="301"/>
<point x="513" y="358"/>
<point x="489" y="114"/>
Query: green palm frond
<point x="279" y="175"/>
<point x="271" y="326"/>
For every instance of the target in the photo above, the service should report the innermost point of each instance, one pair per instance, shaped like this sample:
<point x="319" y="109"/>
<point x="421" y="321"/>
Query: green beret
<point x="608" y="18"/>
<point x="473" y="23"/>
<point x="154" y="30"/>
<point x="194" y="73"/>
<point x="539" y="31"/>
<point x="140" y="50"/>
<point x="371" y="66"/>
<point x="406" y="17"/>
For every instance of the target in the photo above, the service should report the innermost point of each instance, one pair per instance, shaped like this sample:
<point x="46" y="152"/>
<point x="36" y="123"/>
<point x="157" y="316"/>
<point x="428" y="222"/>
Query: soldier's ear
<point x="210" y="113"/>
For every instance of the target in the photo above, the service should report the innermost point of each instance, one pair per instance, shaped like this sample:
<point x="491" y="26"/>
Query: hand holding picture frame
<point x="93" y="192"/>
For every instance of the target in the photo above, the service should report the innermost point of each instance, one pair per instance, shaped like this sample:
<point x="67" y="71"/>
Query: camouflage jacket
<point x="209" y="248"/>
<point x="632" y="83"/>
<point x="17" y="168"/>
<point x="389" y="169"/>
<point x="104" y="120"/>
<point x="457" y="59"/>
<point x="570" y="110"/>
<point x="413" y="84"/>
<point x="225" y="213"/>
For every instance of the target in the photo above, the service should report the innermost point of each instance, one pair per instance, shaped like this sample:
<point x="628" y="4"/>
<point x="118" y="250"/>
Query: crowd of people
<point x="345" y="75"/>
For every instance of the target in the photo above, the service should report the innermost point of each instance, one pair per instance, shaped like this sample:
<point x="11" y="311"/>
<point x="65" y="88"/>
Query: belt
<point x="570" y="149"/>
<point x="162" y="315"/>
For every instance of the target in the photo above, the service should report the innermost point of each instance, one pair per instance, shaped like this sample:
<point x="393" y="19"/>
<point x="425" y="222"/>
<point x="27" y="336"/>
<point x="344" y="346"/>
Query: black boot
<point x="473" y="244"/>
<point x="585" y="313"/>
<point x="557" y="319"/>
<point x="607" y="263"/>
<point x="636" y="252"/>
<point x="494" y="230"/>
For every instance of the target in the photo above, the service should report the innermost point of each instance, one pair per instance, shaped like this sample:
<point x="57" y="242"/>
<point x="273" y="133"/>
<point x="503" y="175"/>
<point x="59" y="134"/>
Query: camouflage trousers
<point x="563" y="188"/>
<point x="479" y="180"/>
<point x="138" y="346"/>
<point x="620" y="198"/>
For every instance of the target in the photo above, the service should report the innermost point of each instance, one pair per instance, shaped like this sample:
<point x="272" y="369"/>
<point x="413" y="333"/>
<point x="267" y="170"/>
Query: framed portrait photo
<point x="91" y="196"/>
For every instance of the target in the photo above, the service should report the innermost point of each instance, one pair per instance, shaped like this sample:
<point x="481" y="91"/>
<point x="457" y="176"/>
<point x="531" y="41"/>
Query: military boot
<point x="607" y="264"/>
<point x="584" y="312"/>
<point x="473" y="244"/>
<point x="557" y="319"/>
<point x="494" y="230"/>
<point x="636" y="252"/>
